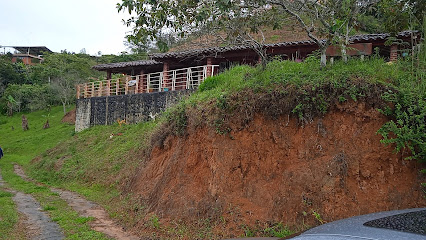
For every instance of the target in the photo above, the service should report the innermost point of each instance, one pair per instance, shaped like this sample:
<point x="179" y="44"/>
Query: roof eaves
<point x="138" y="63"/>
<point x="206" y="51"/>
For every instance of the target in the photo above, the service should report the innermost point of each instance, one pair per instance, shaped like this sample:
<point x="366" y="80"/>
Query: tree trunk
<point x="323" y="57"/>
<point x="345" y="43"/>
<point x="9" y="109"/>
<point x="344" y="53"/>
<point x="64" y="107"/>
<point x="25" y="123"/>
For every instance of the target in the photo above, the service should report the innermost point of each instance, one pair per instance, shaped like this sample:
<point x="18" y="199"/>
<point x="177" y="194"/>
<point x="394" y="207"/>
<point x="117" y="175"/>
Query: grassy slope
<point x="98" y="166"/>
<point x="21" y="147"/>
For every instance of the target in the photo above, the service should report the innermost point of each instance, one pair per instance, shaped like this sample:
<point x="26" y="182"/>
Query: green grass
<point x="96" y="165"/>
<point x="21" y="147"/>
<point x="8" y="215"/>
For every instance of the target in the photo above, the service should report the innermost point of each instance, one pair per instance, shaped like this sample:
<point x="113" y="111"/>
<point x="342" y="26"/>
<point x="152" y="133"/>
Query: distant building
<point x="29" y="55"/>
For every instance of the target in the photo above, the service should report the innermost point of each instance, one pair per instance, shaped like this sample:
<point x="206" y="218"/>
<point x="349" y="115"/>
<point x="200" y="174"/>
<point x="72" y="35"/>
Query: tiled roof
<point x="126" y="64"/>
<point x="214" y="50"/>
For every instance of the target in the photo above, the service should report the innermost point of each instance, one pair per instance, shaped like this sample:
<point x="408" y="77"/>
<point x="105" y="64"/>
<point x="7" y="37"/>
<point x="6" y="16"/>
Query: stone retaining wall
<point x="132" y="108"/>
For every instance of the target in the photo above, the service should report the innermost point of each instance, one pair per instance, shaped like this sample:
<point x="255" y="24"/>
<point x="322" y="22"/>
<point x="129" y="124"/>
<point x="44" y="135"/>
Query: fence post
<point x="393" y="53"/>
<point x="188" y="77"/>
<point x="126" y="85"/>
<point x="78" y="91"/>
<point x="137" y="85"/>
<point x="142" y="81"/>
<point x="108" y="88"/>
<point x="209" y="71"/>
<point x="174" y="80"/>
<point x="117" y="86"/>
<point x="85" y="90"/>
<point x="100" y="89"/>
<point x="165" y="75"/>
<point x="148" y="82"/>
<point x="161" y="81"/>
<point x="93" y="90"/>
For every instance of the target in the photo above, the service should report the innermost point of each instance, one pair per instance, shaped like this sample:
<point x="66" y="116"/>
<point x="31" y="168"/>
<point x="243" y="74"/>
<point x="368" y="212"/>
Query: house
<point x="187" y="69"/>
<point x="29" y="55"/>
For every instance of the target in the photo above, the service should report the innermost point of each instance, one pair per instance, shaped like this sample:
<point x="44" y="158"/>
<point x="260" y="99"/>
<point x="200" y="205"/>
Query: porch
<point x="172" y="80"/>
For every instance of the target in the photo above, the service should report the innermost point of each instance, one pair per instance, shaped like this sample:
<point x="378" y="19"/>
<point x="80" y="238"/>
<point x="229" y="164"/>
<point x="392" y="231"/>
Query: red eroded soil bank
<point x="275" y="170"/>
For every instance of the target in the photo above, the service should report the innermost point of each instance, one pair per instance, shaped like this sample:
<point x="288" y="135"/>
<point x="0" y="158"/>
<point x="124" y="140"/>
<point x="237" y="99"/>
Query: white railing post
<point x="174" y="80"/>
<point x="148" y="82"/>
<point x="188" y="77"/>
<point x="160" y="82"/>
<point x="117" y="87"/>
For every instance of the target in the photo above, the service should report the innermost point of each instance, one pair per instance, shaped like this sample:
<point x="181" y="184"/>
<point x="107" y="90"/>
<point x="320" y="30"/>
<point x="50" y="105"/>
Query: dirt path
<point x="102" y="223"/>
<point x="38" y="224"/>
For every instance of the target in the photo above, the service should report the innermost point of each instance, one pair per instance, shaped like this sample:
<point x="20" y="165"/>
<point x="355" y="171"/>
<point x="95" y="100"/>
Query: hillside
<point x="293" y="144"/>
<point x="253" y="152"/>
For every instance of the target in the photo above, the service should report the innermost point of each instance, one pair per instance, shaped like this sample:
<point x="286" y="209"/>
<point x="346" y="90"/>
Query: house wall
<point x="132" y="108"/>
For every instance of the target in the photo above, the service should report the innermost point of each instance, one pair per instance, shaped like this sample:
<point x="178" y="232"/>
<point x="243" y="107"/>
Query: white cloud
<point x="63" y="24"/>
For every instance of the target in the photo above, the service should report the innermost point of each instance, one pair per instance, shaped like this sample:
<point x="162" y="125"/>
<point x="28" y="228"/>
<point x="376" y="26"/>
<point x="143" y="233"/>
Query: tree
<point x="66" y="71"/>
<point x="239" y="19"/>
<point x="159" y="20"/>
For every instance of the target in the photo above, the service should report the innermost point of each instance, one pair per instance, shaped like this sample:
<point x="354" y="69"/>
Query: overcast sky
<point x="63" y="24"/>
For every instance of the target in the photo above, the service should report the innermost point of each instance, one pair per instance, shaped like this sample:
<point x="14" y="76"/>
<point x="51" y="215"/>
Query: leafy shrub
<point x="409" y="125"/>
<point x="30" y="97"/>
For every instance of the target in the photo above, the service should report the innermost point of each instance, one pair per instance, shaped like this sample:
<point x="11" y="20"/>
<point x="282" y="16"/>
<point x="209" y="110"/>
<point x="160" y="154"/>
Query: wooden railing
<point x="178" y="79"/>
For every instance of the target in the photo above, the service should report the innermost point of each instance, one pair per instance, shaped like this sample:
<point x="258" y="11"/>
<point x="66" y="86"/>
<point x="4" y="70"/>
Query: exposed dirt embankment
<point x="275" y="170"/>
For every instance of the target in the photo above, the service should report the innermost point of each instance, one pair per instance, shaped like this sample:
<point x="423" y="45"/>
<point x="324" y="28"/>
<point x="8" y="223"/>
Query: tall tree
<point x="66" y="71"/>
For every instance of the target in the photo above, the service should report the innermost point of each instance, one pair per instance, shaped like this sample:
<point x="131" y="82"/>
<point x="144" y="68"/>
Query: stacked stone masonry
<point x="133" y="108"/>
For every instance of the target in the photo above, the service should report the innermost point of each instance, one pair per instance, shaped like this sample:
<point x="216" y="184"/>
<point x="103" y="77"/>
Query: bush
<point x="29" y="97"/>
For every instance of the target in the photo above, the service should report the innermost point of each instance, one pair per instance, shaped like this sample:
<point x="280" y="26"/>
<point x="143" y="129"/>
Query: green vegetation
<point x="407" y="127"/>
<point x="22" y="146"/>
<point x="8" y="215"/>
<point x="99" y="162"/>
<point x="306" y="91"/>
<point x="38" y="87"/>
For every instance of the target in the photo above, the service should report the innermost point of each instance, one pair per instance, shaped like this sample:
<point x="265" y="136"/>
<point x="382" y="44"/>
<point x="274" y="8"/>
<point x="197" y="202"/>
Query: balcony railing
<point x="178" y="79"/>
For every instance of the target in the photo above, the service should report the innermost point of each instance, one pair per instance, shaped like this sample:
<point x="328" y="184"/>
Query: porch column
<point x="108" y="74"/>
<point x="209" y="66"/>
<point x="166" y="78"/>
<point x="393" y="53"/>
